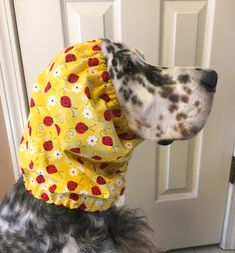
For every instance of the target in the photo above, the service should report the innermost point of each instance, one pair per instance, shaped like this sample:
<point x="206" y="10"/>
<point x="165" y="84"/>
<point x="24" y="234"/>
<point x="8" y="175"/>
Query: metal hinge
<point x="232" y="169"/>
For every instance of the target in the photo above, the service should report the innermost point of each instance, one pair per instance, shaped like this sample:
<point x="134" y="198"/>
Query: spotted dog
<point x="160" y="104"/>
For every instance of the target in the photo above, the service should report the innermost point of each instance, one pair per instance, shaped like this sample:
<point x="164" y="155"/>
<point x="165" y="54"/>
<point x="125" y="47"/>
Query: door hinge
<point x="232" y="169"/>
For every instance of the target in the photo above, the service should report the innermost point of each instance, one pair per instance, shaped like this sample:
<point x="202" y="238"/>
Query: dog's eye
<point x="129" y="68"/>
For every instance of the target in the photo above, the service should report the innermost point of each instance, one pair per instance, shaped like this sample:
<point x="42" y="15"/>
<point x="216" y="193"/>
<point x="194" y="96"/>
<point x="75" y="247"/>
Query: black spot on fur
<point x="120" y="74"/>
<point x="110" y="49"/>
<point x="119" y="45"/>
<point x="185" y="99"/>
<point x="127" y="94"/>
<point x="174" y="98"/>
<point x="114" y="62"/>
<point x="154" y="76"/>
<point x="111" y="73"/>
<point x="184" y="78"/>
<point x="166" y="91"/>
<point x="134" y="99"/>
<point x="173" y="107"/>
<point x="151" y="90"/>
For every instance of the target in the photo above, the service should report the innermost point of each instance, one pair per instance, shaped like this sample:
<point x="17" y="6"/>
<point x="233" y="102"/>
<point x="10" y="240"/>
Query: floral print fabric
<point x="76" y="144"/>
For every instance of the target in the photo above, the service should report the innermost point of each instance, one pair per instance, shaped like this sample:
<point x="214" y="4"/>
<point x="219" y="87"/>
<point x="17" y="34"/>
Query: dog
<point x="160" y="104"/>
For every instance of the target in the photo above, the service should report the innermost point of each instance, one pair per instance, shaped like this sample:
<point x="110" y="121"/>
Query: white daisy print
<point x="92" y="140"/>
<point x="44" y="187"/>
<point x="98" y="202"/>
<point x="77" y="87"/>
<point x="119" y="182"/>
<point x="39" y="172"/>
<point x="92" y="70"/>
<point x="22" y="147"/>
<point x="83" y="192"/>
<point x="57" y="154"/>
<point x="31" y="181"/>
<point x="60" y="197"/>
<point x="56" y="72"/>
<point x="52" y="100"/>
<point x="36" y="87"/>
<point x="32" y="150"/>
<point x="128" y="145"/>
<point x="112" y="190"/>
<point x="81" y="168"/>
<point x="73" y="172"/>
<point x="87" y="113"/>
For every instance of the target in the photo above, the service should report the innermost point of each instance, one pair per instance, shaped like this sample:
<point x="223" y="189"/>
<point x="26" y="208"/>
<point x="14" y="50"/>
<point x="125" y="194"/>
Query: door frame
<point x="228" y="235"/>
<point x="12" y="86"/>
<point x="13" y="94"/>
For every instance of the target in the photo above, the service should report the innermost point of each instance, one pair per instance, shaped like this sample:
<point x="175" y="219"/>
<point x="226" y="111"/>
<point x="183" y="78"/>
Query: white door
<point x="185" y="185"/>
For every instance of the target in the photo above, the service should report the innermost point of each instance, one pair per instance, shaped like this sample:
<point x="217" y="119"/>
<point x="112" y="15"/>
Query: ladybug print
<point x="70" y="58"/>
<point x="117" y="113"/>
<point x="40" y="179"/>
<point x="58" y="130"/>
<point x="105" y="76"/>
<point x="95" y="190"/>
<point x="74" y="196"/>
<point x="68" y="49"/>
<point x="100" y="180"/>
<point x="22" y="139"/>
<point x="75" y="150"/>
<point x="31" y="165"/>
<point x="87" y="92"/>
<point x="72" y="78"/>
<point x="93" y="62"/>
<point x="107" y="140"/>
<point x="96" y="157"/>
<point x="52" y="188"/>
<point x="122" y="191"/>
<point x="48" y="87"/>
<point x="103" y="165"/>
<point x="51" y="169"/>
<point x="48" y="145"/>
<point x="81" y="128"/>
<point x="32" y="103"/>
<point x="44" y="197"/>
<point x="30" y="130"/>
<point x="107" y="115"/>
<point x="80" y="160"/>
<point x="71" y="185"/>
<point x="51" y="67"/>
<point x="82" y="206"/>
<point x="105" y="97"/>
<point x="96" y="48"/>
<point x="65" y="101"/>
<point x="48" y="121"/>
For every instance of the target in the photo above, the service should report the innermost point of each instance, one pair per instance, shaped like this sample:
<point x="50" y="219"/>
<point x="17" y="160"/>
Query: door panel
<point x="88" y="20"/>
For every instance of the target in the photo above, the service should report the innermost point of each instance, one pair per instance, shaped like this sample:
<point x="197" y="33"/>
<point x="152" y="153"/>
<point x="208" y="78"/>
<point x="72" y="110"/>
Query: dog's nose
<point x="209" y="80"/>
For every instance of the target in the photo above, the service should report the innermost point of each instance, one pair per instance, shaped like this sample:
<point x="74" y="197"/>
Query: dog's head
<point x="160" y="103"/>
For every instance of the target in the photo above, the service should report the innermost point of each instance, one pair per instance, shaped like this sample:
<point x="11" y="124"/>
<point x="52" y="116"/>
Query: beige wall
<point x="6" y="171"/>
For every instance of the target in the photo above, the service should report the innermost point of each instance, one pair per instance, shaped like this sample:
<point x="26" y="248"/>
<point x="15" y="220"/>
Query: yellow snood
<point x="76" y="144"/>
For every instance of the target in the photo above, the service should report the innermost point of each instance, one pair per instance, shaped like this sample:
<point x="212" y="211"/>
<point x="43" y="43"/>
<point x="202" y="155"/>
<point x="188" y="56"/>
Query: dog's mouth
<point x="165" y="142"/>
